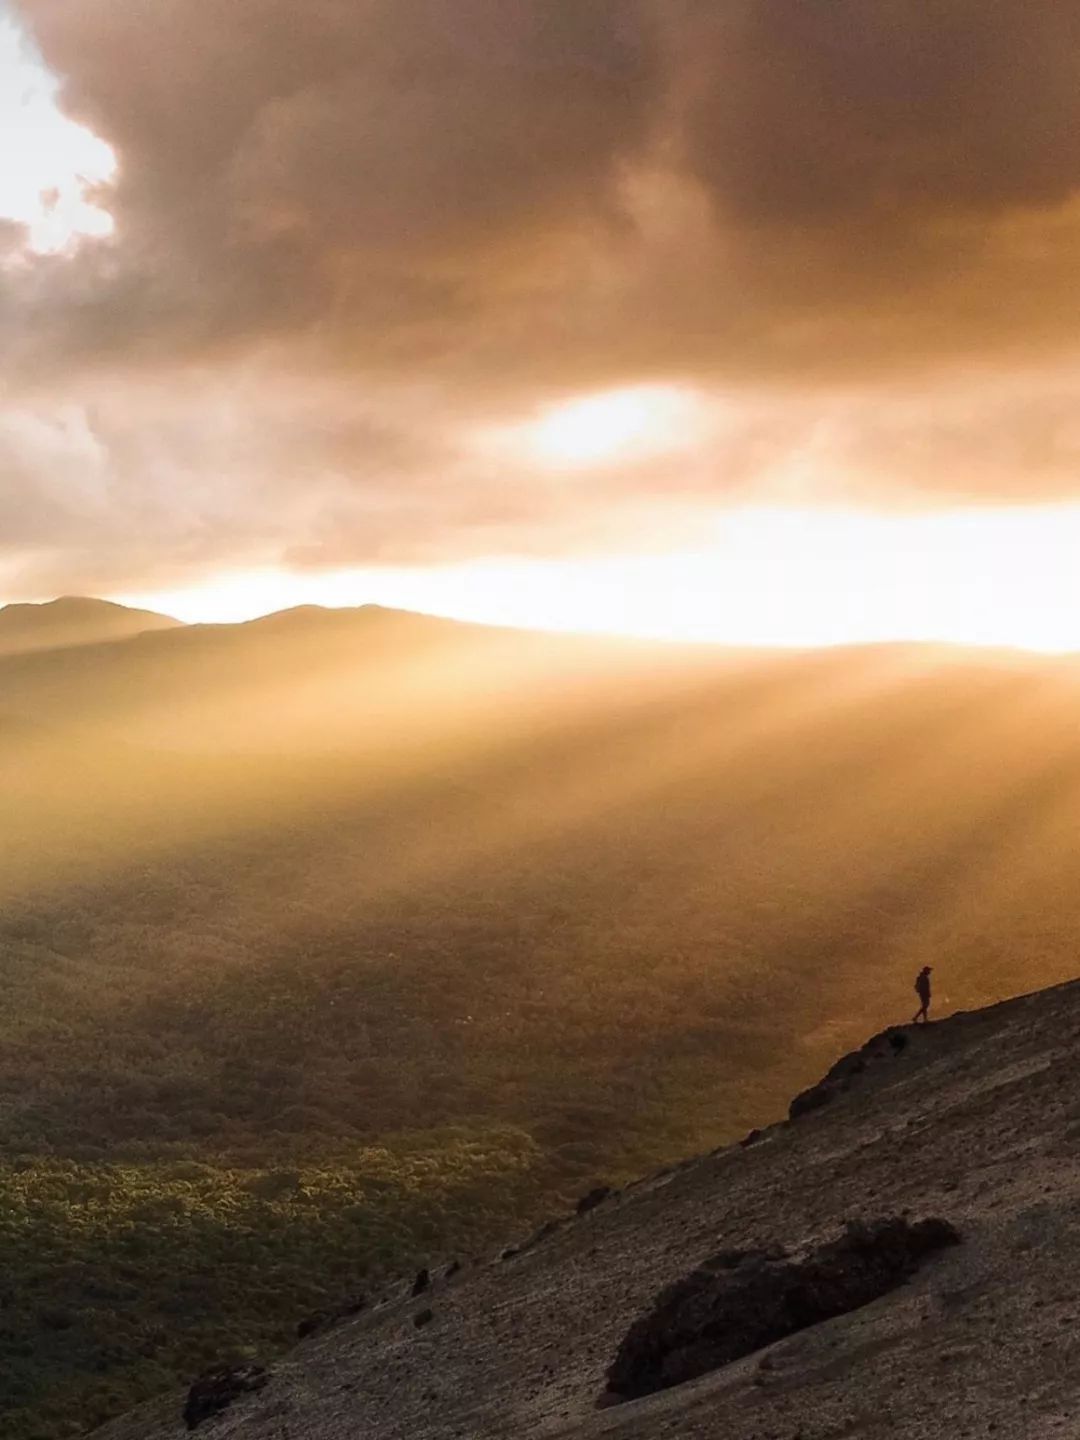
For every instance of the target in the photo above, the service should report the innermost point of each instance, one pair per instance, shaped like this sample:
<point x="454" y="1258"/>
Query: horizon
<point x="900" y="641"/>
<point x="753" y="333"/>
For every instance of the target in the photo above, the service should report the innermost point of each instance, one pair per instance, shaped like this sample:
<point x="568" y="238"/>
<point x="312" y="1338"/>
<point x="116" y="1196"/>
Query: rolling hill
<point x="73" y="620"/>
<point x="340" y="939"/>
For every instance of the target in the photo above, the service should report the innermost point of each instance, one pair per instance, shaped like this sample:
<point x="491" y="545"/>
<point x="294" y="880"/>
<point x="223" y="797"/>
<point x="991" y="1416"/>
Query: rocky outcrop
<point x="216" y="1391"/>
<point x="886" y="1047"/>
<point x="741" y="1301"/>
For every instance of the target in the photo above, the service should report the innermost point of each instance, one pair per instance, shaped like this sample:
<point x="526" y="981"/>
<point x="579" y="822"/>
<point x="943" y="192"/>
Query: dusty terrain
<point x="976" y="1119"/>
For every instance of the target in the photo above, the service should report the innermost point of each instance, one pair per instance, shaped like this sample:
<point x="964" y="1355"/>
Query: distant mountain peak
<point x="73" y="620"/>
<point x="86" y="603"/>
<point x="346" y="615"/>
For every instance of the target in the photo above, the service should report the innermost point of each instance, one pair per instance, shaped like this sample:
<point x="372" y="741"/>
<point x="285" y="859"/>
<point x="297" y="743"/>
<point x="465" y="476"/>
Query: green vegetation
<point x="118" y="1278"/>
<point x="121" y="1277"/>
<point x="207" y="1147"/>
<point x="281" y="1022"/>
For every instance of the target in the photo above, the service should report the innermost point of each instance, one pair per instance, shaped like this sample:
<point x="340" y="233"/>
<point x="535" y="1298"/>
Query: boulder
<point x="741" y="1301"/>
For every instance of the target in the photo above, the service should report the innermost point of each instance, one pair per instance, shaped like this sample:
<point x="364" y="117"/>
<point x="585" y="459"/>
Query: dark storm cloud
<point x="402" y="182"/>
<point x="895" y="178"/>
<point x="804" y="113"/>
<point x="371" y="175"/>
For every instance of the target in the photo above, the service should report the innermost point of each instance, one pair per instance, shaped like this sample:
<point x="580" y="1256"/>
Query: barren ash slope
<point x="975" y="1119"/>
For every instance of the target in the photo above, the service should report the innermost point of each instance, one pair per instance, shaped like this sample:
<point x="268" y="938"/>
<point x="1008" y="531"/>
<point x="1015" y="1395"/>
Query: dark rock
<point x="889" y="1045"/>
<point x="425" y="1317"/>
<point x="452" y="1269"/>
<point x="510" y="1252"/>
<point x="741" y="1301"/>
<point x="217" y="1389"/>
<point x="751" y="1139"/>
<point x="422" y="1282"/>
<point x="593" y="1199"/>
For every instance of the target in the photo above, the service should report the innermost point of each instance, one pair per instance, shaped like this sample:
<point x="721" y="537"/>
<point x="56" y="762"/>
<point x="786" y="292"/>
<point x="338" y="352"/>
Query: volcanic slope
<point x="975" y="1119"/>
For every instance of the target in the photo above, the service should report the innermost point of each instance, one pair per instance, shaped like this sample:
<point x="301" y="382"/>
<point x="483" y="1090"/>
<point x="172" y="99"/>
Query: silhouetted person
<point x="922" y="989"/>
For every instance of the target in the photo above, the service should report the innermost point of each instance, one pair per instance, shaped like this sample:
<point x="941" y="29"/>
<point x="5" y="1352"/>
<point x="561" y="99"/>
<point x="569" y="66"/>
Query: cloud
<point x="350" y="232"/>
<point x="131" y="486"/>
<point x="874" y="110"/>
<point x="371" y="179"/>
<point x="898" y="184"/>
<point x="399" y="182"/>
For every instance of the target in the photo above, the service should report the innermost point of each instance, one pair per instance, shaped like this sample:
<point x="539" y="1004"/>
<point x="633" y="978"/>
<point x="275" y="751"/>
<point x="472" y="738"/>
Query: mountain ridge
<point x="138" y="621"/>
<point x="72" y="621"/>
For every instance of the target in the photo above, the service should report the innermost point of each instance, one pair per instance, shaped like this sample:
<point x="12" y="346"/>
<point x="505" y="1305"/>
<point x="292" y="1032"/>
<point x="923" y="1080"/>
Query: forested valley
<point x="341" y="942"/>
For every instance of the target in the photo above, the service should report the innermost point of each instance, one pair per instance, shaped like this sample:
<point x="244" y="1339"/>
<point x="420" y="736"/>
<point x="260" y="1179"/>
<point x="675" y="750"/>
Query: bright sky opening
<point x="51" y="165"/>
<point x="763" y="576"/>
<point x="628" y="426"/>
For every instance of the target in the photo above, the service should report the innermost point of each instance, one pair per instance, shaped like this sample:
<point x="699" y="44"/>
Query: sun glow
<point x="51" y="165"/>
<point x="638" y="423"/>
<point x="759" y="576"/>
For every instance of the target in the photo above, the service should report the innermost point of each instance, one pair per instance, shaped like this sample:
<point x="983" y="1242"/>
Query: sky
<point x="755" y="321"/>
